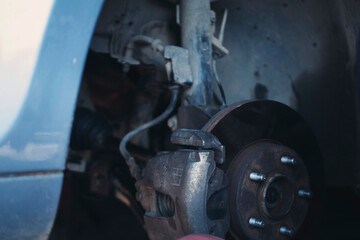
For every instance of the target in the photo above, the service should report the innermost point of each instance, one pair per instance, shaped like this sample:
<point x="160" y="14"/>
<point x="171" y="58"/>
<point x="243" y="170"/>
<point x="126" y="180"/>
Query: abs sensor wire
<point x="134" y="168"/>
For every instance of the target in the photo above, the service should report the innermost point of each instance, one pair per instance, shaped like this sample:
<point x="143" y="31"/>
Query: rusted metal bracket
<point x="183" y="192"/>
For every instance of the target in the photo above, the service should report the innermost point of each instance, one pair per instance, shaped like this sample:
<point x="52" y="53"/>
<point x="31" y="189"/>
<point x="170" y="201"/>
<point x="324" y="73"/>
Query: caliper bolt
<point x="258" y="177"/>
<point x="288" y="160"/>
<point x="286" y="231"/>
<point x="172" y="123"/>
<point x="256" y="223"/>
<point x="304" y="194"/>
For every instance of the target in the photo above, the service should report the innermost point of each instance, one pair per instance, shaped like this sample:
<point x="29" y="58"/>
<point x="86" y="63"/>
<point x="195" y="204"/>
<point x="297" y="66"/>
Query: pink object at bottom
<point x="199" y="237"/>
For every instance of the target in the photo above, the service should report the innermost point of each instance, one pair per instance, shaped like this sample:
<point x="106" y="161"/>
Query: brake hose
<point x="134" y="168"/>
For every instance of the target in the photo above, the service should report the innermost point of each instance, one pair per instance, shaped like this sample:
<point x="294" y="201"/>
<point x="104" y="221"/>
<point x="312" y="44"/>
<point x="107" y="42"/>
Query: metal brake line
<point x="134" y="168"/>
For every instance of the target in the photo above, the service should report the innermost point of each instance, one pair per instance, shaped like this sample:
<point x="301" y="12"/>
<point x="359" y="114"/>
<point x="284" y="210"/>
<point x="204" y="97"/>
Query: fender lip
<point x="39" y="137"/>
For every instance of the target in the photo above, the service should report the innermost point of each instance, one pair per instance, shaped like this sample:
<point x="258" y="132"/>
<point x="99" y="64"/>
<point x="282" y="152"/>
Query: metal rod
<point x="196" y="37"/>
<point x="286" y="231"/>
<point x="222" y="28"/>
<point x="256" y="222"/>
<point x="258" y="177"/>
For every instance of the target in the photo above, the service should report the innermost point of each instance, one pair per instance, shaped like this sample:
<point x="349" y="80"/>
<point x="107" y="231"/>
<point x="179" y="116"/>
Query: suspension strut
<point x="196" y="34"/>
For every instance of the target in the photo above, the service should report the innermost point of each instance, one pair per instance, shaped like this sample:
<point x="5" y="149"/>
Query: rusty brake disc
<point x="275" y="170"/>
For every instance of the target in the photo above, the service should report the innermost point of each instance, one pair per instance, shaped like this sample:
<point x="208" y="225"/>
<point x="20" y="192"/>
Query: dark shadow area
<point x="86" y="216"/>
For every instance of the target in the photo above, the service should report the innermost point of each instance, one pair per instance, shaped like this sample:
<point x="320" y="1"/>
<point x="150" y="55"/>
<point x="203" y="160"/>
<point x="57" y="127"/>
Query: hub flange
<point x="274" y="201"/>
<point x="275" y="181"/>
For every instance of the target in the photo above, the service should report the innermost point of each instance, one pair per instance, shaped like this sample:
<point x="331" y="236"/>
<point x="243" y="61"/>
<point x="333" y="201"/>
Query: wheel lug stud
<point x="304" y="194"/>
<point x="258" y="177"/>
<point x="286" y="231"/>
<point x="256" y="223"/>
<point x="288" y="160"/>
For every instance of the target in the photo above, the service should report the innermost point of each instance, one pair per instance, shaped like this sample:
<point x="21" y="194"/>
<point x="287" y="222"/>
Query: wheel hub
<point x="270" y="194"/>
<point x="277" y="197"/>
<point x="273" y="200"/>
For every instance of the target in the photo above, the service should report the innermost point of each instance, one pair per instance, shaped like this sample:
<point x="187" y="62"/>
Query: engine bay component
<point x="183" y="192"/>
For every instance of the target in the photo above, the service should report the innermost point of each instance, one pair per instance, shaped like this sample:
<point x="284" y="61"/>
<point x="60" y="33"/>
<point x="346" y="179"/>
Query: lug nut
<point x="258" y="177"/>
<point x="288" y="160"/>
<point x="304" y="194"/>
<point x="286" y="231"/>
<point x="256" y="222"/>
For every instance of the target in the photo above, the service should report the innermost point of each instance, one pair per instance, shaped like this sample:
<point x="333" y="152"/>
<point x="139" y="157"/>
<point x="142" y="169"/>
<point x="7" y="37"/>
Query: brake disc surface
<point x="275" y="170"/>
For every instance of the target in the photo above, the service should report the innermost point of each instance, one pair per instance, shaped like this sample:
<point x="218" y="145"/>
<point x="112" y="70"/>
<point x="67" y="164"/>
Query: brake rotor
<point x="275" y="170"/>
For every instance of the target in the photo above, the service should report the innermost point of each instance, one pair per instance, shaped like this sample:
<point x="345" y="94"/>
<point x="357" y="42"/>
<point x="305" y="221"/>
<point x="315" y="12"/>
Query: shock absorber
<point x="196" y="34"/>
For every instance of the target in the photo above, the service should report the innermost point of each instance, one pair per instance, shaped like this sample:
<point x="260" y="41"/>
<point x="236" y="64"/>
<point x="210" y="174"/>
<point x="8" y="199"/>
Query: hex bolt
<point x="288" y="160"/>
<point x="256" y="222"/>
<point x="172" y="122"/>
<point x="286" y="231"/>
<point x="258" y="177"/>
<point x="304" y="194"/>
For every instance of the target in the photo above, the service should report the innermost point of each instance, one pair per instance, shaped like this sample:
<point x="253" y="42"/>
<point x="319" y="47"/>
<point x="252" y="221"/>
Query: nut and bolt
<point x="288" y="160"/>
<point x="139" y="196"/>
<point x="286" y="231"/>
<point x="304" y="193"/>
<point x="172" y="123"/>
<point x="258" y="177"/>
<point x="256" y="222"/>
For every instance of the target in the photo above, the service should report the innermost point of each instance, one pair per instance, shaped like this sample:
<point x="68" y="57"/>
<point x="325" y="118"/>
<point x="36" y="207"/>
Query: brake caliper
<point x="183" y="192"/>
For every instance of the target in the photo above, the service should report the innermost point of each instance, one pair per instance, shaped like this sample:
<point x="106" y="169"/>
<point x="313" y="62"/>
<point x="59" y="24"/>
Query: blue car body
<point x="33" y="148"/>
